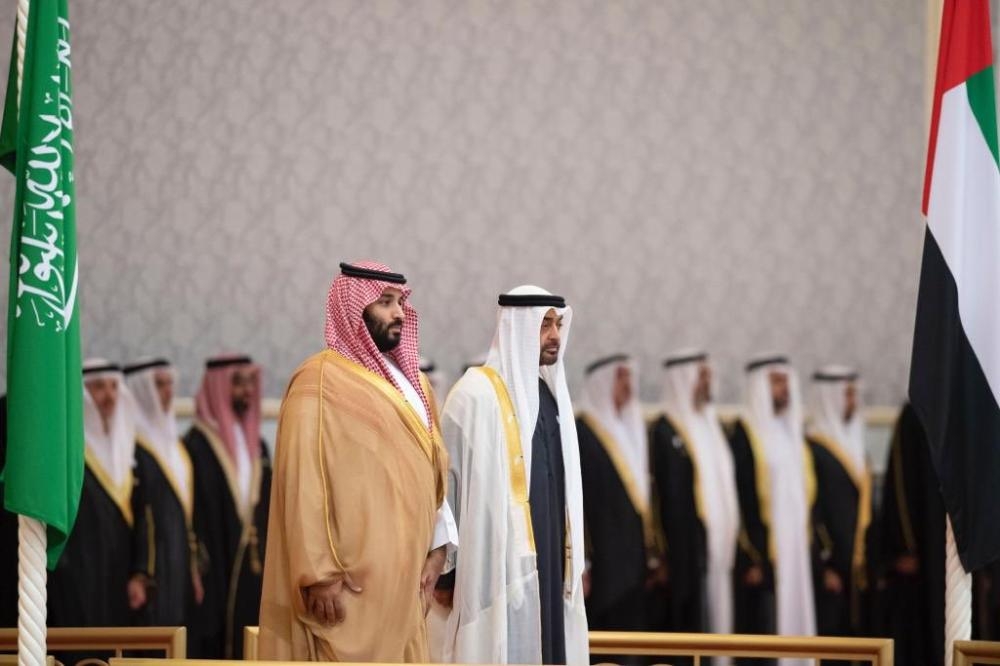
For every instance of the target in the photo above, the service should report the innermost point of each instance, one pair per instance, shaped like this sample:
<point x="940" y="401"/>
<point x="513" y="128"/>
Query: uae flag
<point x="955" y="372"/>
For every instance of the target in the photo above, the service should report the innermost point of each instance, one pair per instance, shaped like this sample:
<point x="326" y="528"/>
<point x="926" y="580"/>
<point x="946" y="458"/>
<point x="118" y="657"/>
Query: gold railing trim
<point x="878" y="651"/>
<point x="875" y="650"/>
<point x="967" y="653"/>
<point x="172" y="640"/>
<point x="250" y="637"/>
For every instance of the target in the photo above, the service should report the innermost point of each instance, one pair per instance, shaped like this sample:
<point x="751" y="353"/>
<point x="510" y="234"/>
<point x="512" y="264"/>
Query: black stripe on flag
<point x="960" y="416"/>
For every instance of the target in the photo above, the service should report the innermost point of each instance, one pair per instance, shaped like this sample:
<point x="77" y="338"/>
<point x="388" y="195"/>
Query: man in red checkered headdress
<point x="359" y="528"/>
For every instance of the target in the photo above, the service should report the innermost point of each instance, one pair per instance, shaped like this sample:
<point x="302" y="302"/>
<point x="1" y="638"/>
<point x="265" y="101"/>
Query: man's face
<point x="550" y="340"/>
<point x="850" y="401"/>
<point x="385" y="318"/>
<point x="703" y="387"/>
<point x="164" y="381"/>
<point x="104" y="393"/>
<point x="242" y="383"/>
<point x="779" y="390"/>
<point x="623" y="387"/>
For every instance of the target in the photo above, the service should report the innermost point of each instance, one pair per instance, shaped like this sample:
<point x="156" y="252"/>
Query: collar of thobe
<point x="410" y="393"/>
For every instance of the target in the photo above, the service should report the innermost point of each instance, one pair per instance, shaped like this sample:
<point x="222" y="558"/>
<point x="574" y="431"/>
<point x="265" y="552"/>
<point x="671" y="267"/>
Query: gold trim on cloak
<point x="187" y="503"/>
<point x="763" y="483"/>
<point x="246" y="514"/>
<point x="699" y="497"/>
<point x="429" y="440"/>
<point x="245" y="509"/>
<point x="322" y="472"/>
<point x="426" y="438"/>
<point x="863" y="482"/>
<point x="905" y="523"/>
<point x="515" y="455"/>
<point x="613" y="451"/>
<point x="121" y="495"/>
<point x="150" y="542"/>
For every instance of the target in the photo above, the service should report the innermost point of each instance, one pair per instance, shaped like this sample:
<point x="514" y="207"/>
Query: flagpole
<point x="958" y="597"/>
<point x="30" y="592"/>
<point x="31" y="558"/>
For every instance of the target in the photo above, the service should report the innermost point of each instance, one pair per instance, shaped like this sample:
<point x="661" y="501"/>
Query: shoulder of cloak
<point x="822" y="456"/>
<point x="472" y="394"/>
<point x="661" y="429"/>
<point x="585" y="435"/>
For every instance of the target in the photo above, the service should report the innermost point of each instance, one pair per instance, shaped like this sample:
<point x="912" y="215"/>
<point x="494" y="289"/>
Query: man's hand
<point x="754" y="576"/>
<point x="586" y="583"/>
<point x="433" y="566"/>
<point x="324" y="601"/>
<point x="445" y="598"/>
<point x="657" y="574"/>
<point x="137" y="591"/>
<point x="832" y="581"/>
<point x="907" y="565"/>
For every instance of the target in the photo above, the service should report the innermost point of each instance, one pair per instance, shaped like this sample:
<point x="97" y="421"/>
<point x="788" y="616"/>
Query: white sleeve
<point x="446" y="534"/>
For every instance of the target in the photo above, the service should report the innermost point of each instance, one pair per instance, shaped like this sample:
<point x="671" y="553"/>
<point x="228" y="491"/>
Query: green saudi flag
<point x="44" y="472"/>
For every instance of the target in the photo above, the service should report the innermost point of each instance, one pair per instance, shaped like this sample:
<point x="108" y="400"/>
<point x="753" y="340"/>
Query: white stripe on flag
<point x="964" y="216"/>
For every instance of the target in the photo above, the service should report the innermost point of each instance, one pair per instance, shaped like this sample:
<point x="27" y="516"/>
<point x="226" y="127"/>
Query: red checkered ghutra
<point x="347" y="334"/>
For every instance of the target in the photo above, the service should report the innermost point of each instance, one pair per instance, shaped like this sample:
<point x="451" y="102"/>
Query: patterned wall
<point x="741" y="176"/>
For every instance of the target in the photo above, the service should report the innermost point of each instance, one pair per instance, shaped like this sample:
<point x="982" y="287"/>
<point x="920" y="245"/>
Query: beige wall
<point x="735" y="175"/>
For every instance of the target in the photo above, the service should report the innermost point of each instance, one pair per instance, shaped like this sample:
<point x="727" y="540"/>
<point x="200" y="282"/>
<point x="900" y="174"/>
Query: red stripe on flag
<point x="965" y="49"/>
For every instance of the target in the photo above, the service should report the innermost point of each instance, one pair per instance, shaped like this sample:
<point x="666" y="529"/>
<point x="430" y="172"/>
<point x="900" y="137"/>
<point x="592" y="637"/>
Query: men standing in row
<point x="699" y="505"/>
<point x="97" y="583"/>
<point x="614" y="463"/>
<point x="776" y="483"/>
<point x="509" y="428"/>
<point x="232" y="485"/>
<point x="164" y="477"/>
<point x="359" y="527"/>
<point x="843" y="508"/>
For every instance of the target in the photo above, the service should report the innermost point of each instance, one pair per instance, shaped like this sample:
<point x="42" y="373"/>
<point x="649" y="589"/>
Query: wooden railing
<point x="876" y="651"/>
<point x="968" y="653"/>
<point x="250" y="636"/>
<point x="170" y="641"/>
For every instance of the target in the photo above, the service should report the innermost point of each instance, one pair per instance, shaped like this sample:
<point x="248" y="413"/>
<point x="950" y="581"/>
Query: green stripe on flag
<point x="979" y="88"/>
<point x="44" y="473"/>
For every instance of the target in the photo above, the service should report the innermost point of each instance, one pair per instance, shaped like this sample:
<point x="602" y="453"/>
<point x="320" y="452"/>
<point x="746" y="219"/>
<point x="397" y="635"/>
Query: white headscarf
<point x="157" y="426"/>
<point x="829" y="396"/>
<point x="781" y="437"/>
<point x="716" y="478"/>
<point x="114" y="449"/>
<point x="626" y="427"/>
<point x="514" y="355"/>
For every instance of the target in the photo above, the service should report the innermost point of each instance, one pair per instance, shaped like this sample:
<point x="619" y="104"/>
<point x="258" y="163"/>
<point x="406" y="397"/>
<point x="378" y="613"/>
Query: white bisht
<point x="495" y="617"/>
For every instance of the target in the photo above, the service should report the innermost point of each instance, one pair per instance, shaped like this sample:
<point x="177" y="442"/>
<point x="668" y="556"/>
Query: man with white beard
<point x="614" y="462"/>
<point x="510" y="434"/>
<point x="699" y="507"/>
<point x="97" y="582"/>
<point x="777" y="487"/>
<point x="843" y="508"/>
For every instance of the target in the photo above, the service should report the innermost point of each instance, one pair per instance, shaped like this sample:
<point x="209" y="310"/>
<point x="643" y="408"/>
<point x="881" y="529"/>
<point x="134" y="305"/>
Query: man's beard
<point x="241" y="407"/>
<point x="383" y="338"/>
